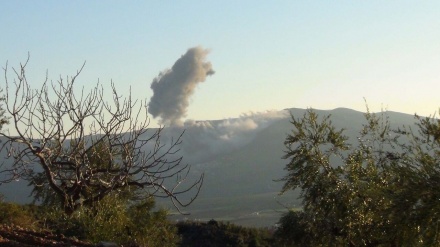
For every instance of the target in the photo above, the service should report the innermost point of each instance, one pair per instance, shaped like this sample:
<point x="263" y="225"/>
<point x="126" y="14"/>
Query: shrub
<point x="12" y="213"/>
<point x="292" y="230"/>
<point x="114" y="219"/>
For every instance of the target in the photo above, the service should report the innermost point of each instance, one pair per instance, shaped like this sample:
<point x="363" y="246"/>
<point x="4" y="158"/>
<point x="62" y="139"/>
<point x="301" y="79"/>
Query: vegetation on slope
<point x="30" y="225"/>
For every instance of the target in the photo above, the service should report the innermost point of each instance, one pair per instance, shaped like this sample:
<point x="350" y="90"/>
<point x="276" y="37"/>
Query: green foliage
<point x="292" y="230"/>
<point x="382" y="191"/>
<point x="12" y="213"/>
<point x="215" y="233"/>
<point x="106" y="221"/>
<point x="113" y="219"/>
<point x="151" y="228"/>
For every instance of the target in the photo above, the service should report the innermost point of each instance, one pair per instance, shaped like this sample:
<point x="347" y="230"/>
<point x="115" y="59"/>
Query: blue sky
<point x="268" y="55"/>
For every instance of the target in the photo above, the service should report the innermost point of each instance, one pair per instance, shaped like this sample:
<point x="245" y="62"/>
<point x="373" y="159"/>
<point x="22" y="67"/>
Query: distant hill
<point x="241" y="159"/>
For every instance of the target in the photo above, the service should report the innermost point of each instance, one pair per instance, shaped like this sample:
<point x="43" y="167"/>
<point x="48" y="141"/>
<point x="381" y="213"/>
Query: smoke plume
<point x="173" y="87"/>
<point x="204" y="140"/>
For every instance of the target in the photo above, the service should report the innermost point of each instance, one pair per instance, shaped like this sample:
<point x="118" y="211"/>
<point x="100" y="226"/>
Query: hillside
<point x="240" y="170"/>
<point x="240" y="186"/>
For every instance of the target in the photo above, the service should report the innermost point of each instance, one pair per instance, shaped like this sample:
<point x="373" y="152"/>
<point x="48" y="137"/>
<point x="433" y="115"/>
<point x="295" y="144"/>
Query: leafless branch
<point x="82" y="148"/>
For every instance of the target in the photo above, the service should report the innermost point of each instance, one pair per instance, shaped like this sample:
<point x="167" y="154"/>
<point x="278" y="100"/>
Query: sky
<point x="267" y="55"/>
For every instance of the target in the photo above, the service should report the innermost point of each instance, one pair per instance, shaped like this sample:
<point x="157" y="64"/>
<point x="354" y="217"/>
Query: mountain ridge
<point x="241" y="159"/>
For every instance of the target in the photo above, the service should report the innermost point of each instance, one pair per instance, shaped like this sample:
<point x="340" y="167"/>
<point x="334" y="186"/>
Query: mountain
<point x="240" y="186"/>
<point x="241" y="159"/>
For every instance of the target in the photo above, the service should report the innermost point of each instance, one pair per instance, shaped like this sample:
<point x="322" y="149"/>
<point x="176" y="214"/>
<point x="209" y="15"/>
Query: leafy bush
<point x="151" y="228"/>
<point x="292" y="230"/>
<point x="113" y="219"/>
<point x="12" y="213"/>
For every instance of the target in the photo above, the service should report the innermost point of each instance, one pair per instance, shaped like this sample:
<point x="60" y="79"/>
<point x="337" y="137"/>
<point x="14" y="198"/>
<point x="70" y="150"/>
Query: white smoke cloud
<point x="204" y="140"/>
<point x="173" y="87"/>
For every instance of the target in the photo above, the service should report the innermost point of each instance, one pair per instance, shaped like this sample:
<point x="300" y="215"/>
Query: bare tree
<point x="83" y="148"/>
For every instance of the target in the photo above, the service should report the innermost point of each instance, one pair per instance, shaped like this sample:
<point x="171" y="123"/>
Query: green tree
<point x="292" y="230"/>
<point x="379" y="191"/>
